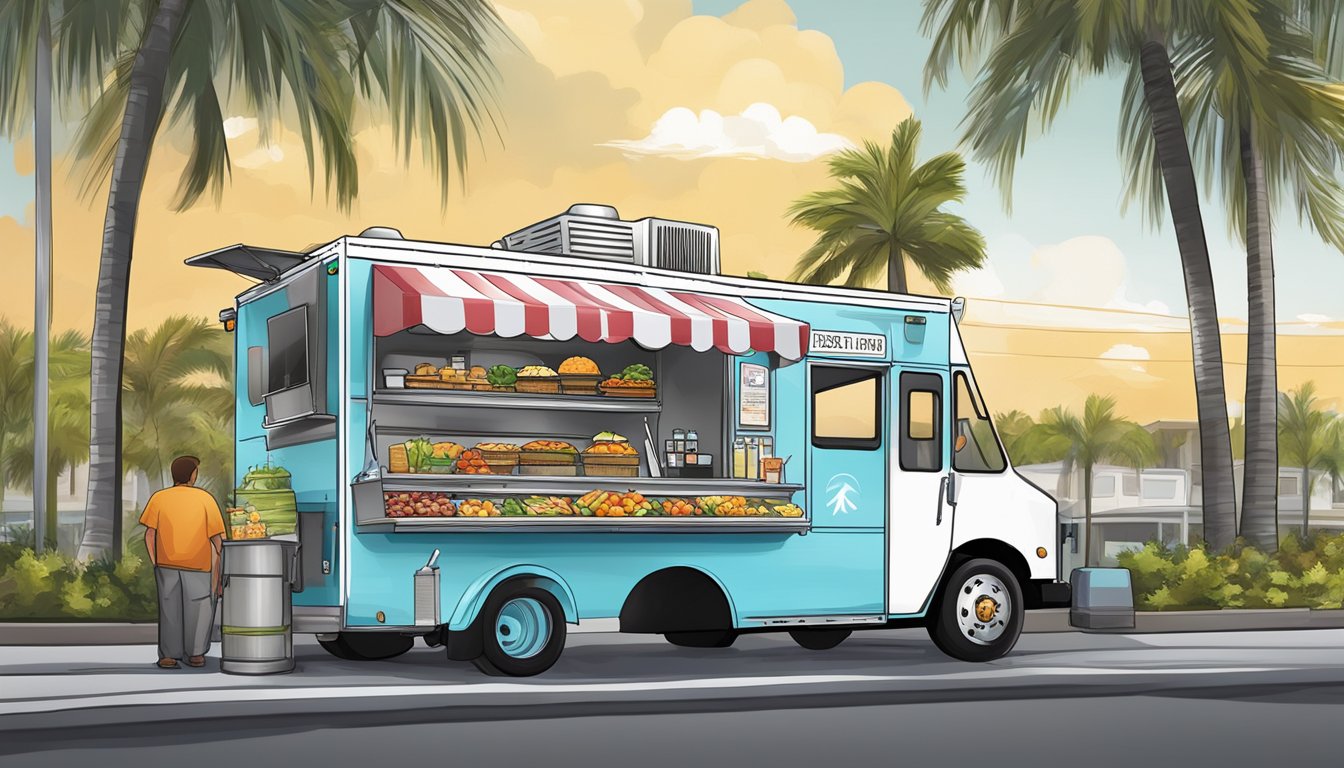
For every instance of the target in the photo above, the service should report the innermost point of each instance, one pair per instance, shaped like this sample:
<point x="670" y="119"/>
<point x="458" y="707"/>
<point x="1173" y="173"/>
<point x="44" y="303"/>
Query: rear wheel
<point x="718" y="638"/>
<point x="979" y="612"/>
<point x="524" y="632"/>
<point x="367" y="646"/>
<point x="819" y="639"/>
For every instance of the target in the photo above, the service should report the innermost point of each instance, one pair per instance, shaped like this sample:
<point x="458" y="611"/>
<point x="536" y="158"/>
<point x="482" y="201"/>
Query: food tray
<point x="579" y="383"/>
<point x="611" y="470"/>
<point x="549" y="470"/>
<point x="502" y="458"/>
<point x="546" y="457"/>
<point x="539" y="385"/>
<point x="501" y="468"/>
<point x="629" y="391"/>
<point x="434" y="382"/>
<point x="601" y="459"/>
<point x="503" y="388"/>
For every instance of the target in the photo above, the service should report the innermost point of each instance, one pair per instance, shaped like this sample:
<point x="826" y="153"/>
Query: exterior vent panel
<point x="656" y="243"/>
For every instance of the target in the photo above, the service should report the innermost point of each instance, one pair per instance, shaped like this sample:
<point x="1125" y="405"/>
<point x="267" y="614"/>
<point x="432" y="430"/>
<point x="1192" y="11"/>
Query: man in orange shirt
<point x="185" y="538"/>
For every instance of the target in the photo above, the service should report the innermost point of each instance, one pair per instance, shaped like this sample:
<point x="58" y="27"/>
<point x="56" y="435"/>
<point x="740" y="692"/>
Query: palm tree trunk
<point x="1173" y="154"/>
<point x="42" y="269"/>
<point x="51" y="510"/>
<point x="1306" y="501"/>
<point x="896" y="282"/>
<point x="1087" y="516"/>
<point x="1259" y="490"/>
<point x="144" y="110"/>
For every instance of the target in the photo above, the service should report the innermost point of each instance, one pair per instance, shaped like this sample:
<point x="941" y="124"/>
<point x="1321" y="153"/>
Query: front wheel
<point x="367" y="646"/>
<point x="979" y="612"/>
<point x="524" y="632"/>
<point x="716" y="638"/>
<point x="819" y="639"/>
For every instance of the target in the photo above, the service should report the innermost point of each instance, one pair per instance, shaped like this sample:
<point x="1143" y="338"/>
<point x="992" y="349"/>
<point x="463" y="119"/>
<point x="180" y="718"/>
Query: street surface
<point x="1246" y="698"/>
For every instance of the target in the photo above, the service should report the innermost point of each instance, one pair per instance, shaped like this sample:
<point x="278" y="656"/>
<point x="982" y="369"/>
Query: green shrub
<point x="54" y="586"/>
<point x="1302" y="574"/>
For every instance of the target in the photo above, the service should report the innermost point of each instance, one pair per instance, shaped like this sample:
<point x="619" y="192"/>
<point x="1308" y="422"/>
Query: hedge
<point x="1302" y="574"/>
<point x="54" y="586"/>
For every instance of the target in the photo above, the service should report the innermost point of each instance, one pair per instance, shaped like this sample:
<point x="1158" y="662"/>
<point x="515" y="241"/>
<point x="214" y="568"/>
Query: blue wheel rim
<point x="523" y="628"/>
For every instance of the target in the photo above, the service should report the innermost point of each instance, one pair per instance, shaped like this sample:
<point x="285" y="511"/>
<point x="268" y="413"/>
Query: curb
<point x="1040" y="621"/>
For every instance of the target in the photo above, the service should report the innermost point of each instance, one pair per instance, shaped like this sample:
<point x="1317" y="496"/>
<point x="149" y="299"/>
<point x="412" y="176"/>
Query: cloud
<point x="260" y="156"/>
<point x="1312" y="317"/>
<point x="759" y="131"/>
<point x="1126" y="352"/>
<point x="238" y="125"/>
<point x="982" y="283"/>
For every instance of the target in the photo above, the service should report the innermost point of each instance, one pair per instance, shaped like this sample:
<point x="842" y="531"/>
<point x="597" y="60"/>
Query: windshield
<point x="977" y="448"/>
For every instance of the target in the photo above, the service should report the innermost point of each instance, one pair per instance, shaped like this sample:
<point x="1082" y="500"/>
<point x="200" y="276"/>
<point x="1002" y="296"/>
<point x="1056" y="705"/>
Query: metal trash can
<point x="256" y="634"/>
<point x="1103" y="598"/>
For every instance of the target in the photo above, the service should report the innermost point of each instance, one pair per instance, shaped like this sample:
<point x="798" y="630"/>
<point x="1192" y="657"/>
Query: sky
<point x="721" y="113"/>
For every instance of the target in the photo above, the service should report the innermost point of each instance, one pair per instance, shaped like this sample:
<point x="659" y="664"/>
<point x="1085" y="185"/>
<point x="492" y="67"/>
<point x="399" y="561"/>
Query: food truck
<point x="586" y="424"/>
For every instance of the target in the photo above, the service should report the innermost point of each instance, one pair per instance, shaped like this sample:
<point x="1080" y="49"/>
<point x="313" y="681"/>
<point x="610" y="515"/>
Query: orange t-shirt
<point x="185" y="518"/>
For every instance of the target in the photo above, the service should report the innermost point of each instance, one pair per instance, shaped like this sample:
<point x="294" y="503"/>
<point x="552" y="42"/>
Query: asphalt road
<point x="1248" y="698"/>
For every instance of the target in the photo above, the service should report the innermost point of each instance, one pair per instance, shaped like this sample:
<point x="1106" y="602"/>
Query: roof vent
<point x="386" y="233"/>
<point x="597" y="232"/>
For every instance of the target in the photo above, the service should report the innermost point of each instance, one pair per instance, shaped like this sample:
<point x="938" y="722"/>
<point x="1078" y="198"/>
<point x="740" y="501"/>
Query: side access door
<point x="921" y="502"/>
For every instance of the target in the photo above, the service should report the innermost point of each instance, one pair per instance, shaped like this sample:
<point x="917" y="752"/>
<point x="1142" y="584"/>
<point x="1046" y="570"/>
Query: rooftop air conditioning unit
<point x="597" y="232"/>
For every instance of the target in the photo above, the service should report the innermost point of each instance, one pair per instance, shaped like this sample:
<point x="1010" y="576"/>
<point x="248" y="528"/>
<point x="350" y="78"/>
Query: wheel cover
<point x="523" y="628"/>
<point x="984" y="609"/>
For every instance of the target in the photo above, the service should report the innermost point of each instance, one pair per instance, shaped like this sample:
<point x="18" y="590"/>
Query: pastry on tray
<point x="579" y="366"/>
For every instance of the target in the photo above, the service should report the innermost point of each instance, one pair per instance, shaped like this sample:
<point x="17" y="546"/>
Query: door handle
<point x="942" y="493"/>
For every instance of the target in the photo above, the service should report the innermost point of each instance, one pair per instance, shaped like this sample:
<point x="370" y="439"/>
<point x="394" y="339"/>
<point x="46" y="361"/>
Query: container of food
<point x="549" y="470"/>
<point x="772" y="469"/>
<point x="538" y="380"/>
<point x="395" y="378"/>
<point x="547" y="452"/>
<point x="441" y="466"/>
<point x="598" y="465"/>
<point x="397" y="461"/>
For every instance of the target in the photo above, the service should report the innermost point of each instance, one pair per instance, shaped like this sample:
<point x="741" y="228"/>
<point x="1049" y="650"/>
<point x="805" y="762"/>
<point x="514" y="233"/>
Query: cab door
<point x="919" y="528"/>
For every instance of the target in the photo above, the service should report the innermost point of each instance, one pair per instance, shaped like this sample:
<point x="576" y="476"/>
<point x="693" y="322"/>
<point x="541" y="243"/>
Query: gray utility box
<point x="1103" y="598"/>
<point x="257" y="635"/>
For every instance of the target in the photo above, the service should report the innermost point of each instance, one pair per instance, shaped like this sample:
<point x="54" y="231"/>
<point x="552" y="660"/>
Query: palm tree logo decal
<point x="839" y="486"/>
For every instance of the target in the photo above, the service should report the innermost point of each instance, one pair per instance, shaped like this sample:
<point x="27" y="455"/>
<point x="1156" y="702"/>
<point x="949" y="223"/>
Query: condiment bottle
<point x="679" y="440"/>
<point x="753" y="459"/>
<point x="692" y="441"/>
<point x="739" y="458"/>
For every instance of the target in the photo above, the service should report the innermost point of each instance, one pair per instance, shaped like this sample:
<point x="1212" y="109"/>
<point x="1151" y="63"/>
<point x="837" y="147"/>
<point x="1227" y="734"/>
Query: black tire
<point x="367" y="646"/>
<point x="981" y="597"/>
<point x="819" y="639"/>
<point x="716" y="638"/>
<point x="495" y="660"/>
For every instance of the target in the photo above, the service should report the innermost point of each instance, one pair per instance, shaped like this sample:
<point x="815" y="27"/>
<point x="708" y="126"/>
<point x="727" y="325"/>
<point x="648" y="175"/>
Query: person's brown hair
<point x="183" y="467"/>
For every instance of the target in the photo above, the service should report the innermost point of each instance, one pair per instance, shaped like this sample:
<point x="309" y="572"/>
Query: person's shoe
<point x="167" y="663"/>
<point x="196" y="661"/>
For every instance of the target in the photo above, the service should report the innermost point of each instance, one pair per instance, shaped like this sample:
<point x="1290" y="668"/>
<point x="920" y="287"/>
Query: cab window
<point x="976" y="449"/>
<point x="921" y="422"/>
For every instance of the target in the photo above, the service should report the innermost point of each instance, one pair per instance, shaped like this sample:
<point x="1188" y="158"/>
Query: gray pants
<point x="186" y="612"/>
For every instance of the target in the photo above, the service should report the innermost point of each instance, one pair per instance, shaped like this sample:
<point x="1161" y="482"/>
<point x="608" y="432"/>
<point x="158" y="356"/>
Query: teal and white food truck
<point x="587" y="424"/>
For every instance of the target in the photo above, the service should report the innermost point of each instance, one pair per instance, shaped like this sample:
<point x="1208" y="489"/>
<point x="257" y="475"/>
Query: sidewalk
<point x="1053" y="620"/>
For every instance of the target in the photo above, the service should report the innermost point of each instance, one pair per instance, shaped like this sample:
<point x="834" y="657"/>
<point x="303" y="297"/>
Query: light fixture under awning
<point x="448" y="300"/>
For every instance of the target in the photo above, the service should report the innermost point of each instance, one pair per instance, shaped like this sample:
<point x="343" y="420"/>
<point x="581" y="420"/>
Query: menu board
<point x="753" y="396"/>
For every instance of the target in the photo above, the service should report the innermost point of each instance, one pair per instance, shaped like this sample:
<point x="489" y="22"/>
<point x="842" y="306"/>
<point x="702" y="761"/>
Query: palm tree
<point x="1333" y="460"/>
<point x="164" y="394"/>
<point x="885" y="209"/>
<point x="1037" y="53"/>
<point x="1304" y="439"/>
<point x="1263" y="117"/>
<point x="69" y="430"/>
<point x="1137" y="449"/>
<point x="1097" y="436"/>
<point x="25" y="94"/>
<point x="427" y="63"/>
<point x="16" y="387"/>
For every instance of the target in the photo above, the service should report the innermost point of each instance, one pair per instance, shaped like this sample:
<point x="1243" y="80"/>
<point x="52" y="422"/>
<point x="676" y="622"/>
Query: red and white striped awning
<point x="450" y="300"/>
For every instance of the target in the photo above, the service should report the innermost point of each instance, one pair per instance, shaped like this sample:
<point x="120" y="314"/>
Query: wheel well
<point x="999" y="552"/>
<point x="679" y="599"/>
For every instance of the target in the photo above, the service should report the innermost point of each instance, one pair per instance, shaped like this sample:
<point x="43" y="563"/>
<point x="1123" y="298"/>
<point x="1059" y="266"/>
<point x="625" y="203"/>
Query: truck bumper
<point x="1046" y="593"/>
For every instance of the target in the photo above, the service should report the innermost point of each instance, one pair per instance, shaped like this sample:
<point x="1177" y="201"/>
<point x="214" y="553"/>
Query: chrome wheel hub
<point x="983" y="609"/>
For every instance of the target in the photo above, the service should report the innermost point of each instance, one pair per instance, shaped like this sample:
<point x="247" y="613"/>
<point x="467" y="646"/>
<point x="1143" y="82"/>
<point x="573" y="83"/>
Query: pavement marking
<point x="220" y="695"/>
